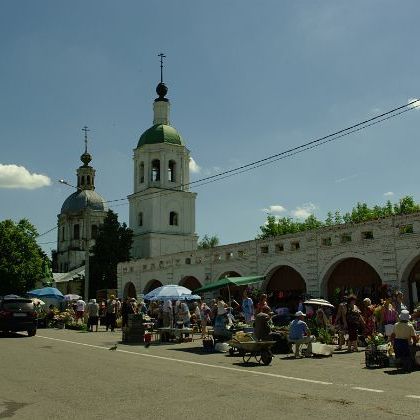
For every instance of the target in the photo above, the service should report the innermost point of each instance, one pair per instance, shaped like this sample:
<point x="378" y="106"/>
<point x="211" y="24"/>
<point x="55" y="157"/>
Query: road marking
<point x="359" y="388"/>
<point x="413" y="396"/>
<point x="190" y="362"/>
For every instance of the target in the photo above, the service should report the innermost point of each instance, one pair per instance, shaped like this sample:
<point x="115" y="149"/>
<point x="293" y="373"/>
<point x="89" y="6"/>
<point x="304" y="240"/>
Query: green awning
<point x="229" y="281"/>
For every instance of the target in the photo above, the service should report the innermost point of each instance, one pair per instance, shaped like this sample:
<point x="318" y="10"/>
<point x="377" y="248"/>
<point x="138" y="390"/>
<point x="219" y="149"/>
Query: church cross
<point x="85" y="129"/>
<point x="162" y="56"/>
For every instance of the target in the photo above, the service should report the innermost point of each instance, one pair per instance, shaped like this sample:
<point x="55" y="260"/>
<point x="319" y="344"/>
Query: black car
<point x="17" y="314"/>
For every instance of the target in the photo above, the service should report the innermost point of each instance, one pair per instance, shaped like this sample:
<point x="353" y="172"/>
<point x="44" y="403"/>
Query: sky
<point x="246" y="80"/>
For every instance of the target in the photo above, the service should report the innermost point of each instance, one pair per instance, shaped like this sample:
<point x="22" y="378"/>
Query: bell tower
<point x="162" y="209"/>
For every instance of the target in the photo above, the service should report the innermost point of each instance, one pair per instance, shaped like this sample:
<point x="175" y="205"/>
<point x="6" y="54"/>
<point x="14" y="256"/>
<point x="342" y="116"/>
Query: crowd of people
<point x="355" y="320"/>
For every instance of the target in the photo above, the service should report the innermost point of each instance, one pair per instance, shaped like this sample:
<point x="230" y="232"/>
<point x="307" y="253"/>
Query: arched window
<point x="155" y="170"/>
<point x="173" y="218"/>
<point x="63" y="236"/>
<point x="88" y="179"/>
<point x="82" y="182"/>
<point x="172" y="171"/>
<point x="141" y="173"/>
<point x="76" y="231"/>
<point x="94" y="231"/>
<point x="140" y="219"/>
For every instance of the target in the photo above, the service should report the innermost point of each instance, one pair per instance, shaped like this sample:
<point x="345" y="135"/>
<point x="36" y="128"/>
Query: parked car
<point x="17" y="314"/>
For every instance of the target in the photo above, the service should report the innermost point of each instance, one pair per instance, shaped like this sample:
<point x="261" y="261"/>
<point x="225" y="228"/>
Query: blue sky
<point x="246" y="80"/>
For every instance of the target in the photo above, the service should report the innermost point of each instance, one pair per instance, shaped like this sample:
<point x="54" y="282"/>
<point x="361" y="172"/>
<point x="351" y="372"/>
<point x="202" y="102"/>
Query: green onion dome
<point x="160" y="133"/>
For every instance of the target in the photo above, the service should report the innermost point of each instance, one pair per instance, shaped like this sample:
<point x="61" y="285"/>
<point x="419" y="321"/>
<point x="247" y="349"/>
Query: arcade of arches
<point x="355" y="276"/>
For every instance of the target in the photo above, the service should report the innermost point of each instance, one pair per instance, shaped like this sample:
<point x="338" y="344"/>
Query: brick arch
<point x="151" y="285"/>
<point x="129" y="290"/>
<point x="234" y="292"/>
<point x="190" y="282"/>
<point x="230" y="273"/>
<point x="284" y="286"/>
<point x="352" y="273"/>
<point x="410" y="275"/>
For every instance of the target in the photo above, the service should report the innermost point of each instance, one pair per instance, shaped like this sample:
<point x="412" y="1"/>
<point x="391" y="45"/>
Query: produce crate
<point x="375" y="358"/>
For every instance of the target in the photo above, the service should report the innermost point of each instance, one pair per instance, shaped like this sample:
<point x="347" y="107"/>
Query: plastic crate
<point x="375" y="358"/>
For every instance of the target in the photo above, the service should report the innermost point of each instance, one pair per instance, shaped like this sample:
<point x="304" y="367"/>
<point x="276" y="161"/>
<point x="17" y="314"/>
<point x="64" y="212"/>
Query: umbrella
<point x="230" y="281"/>
<point x="181" y="297"/>
<point x="318" y="302"/>
<point x="71" y="297"/>
<point x="37" y="301"/>
<point x="46" y="292"/>
<point x="11" y="297"/>
<point x="169" y="292"/>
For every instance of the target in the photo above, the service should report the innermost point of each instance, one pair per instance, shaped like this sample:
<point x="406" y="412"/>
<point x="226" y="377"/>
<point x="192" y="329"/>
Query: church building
<point x="81" y="215"/>
<point x="162" y="209"/>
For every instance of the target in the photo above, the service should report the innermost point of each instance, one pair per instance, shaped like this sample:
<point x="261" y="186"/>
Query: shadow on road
<point x="194" y="350"/>
<point x="13" y="335"/>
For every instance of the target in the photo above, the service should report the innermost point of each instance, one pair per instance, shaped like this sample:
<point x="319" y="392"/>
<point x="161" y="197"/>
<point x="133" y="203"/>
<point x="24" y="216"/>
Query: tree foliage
<point x="112" y="246"/>
<point x="360" y="213"/>
<point x="208" y="242"/>
<point x="22" y="261"/>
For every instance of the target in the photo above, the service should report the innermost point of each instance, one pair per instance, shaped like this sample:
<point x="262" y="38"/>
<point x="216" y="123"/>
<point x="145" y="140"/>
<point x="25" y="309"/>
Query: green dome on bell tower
<point x="160" y="133"/>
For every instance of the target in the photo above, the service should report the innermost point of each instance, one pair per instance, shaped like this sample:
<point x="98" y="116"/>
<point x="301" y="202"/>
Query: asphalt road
<point x="73" y="375"/>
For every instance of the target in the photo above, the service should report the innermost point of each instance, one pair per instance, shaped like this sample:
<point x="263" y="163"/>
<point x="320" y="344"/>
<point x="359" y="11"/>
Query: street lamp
<point x="62" y="181"/>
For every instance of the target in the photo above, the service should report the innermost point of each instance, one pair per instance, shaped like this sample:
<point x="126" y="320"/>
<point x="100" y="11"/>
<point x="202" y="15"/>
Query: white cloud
<point x="274" y="209"/>
<point x="346" y="178"/>
<point x="14" y="176"/>
<point x="304" y="211"/>
<point x="194" y="168"/>
<point x="415" y="104"/>
<point x="389" y="194"/>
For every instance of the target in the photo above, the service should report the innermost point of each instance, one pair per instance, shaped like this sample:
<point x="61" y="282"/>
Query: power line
<point x="276" y="157"/>
<point x="48" y="231"/>
<point x="287" y="153"/>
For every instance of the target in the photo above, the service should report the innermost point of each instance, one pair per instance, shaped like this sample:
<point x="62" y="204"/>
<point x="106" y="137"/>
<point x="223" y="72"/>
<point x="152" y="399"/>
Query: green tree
<point x="112" y="245"/>
<point x="208" y="242"/>
<point x="337" y="218"/>
<point x="388" y="209"/>
<point x="406" y="205"/>
<point x="22" y="262"/>
<point x="329" y="221"/>
<point x="312" y="222"/>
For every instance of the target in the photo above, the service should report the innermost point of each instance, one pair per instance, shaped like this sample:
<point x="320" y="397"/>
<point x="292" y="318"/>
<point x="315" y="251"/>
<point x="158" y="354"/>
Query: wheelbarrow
<point x="259" y="350"/>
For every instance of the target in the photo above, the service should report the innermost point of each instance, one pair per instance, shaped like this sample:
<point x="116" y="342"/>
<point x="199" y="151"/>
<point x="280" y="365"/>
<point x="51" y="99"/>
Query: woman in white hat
<point x="403" y="338"/>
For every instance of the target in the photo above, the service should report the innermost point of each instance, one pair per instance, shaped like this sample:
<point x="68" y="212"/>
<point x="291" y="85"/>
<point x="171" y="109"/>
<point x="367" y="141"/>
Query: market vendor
<point x="262" y="324"/>
<point x="299" y="333"/>
<point x="221" y="332"/>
